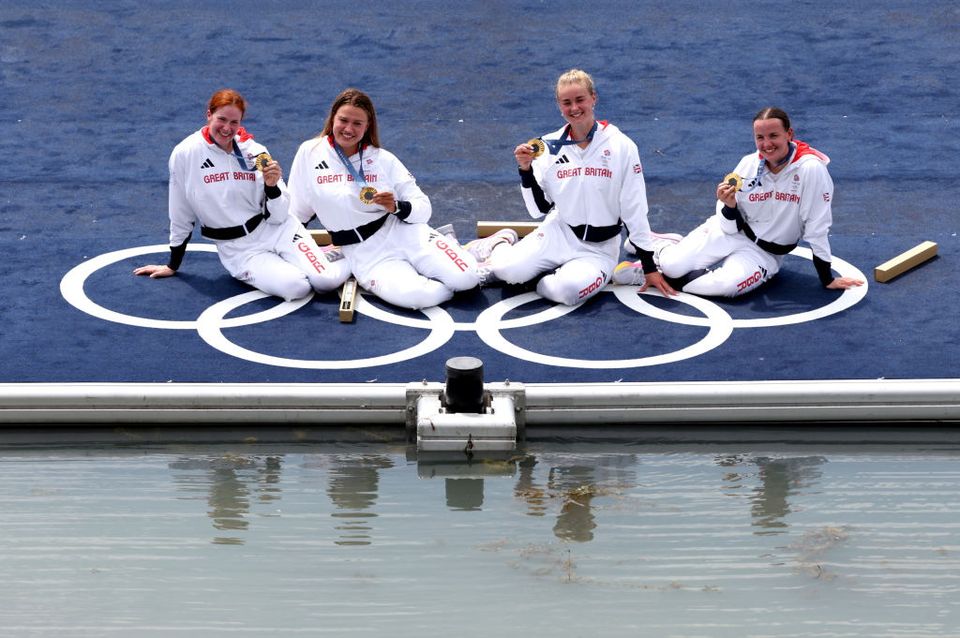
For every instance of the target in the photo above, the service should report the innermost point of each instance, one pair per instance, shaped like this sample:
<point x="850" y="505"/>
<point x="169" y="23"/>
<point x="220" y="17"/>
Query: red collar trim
<point x="805" y="149"/>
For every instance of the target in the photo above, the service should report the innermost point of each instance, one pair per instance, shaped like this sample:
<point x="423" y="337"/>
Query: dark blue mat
<point x="95" y="99"/>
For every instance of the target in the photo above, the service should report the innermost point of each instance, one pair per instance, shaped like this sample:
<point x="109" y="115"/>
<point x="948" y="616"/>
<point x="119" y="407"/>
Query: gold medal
<point x="538" y="146"/>
<point x="262" y="160"/>
<point x="367" y="193"/>
<point x="734" y="180"/>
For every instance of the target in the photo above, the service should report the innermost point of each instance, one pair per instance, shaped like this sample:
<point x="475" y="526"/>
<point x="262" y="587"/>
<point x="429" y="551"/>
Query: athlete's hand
<point x="727" y="193"/>
<point x="387" y="200"/>
<point x="524" y="155"/>
<point x="154" y="271"/>
<point x="842" y="283"/>
<point x="657" y="280"/>
<point x="272" y="173"/>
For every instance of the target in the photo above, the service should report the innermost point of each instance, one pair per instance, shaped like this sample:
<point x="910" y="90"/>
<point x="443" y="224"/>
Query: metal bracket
<point x="498" y="428"/>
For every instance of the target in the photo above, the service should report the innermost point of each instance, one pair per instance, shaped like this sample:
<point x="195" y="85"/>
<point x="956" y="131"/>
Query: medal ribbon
<point x="243" y="162"/>
<point x="556" y="145"/>
<point x="357" y="176"/>
<point x="763" y="166"/>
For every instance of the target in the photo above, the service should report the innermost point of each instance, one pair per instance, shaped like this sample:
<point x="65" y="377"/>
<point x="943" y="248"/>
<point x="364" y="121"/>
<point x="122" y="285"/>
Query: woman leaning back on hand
<point x="226" y="181"/>
<point x="777" y="196"/>
<point x="586" y="181"/>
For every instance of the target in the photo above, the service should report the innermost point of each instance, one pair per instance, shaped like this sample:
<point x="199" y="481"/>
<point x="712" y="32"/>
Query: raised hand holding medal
<point x="534" y="148"/>
<point x="538" y="146"/>
<point x="526" y="153"/>
<point x="260" y="161"/>
<point x="734" y="180"/>
<point x="368" y="194"/>
<point x="727" y="189"/>
<point x="272" y="173"/>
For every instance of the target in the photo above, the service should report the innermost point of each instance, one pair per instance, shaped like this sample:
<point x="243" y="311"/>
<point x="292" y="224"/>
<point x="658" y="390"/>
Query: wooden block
<point x="348" y="297"/>
<point x="322" y="237"/>
<point x="905" y="261"/>
<point x="486" y="228"/>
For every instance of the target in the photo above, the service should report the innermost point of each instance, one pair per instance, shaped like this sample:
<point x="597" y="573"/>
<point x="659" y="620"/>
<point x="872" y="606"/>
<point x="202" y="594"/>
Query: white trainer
<point x="486" y="275"/>
<point x="448" y="231"/>
<point x="661" y="241"/>
<point x="629" y="273"/>
<point x="664" y="239"/>
<point x="482" y="248"/>
<point x="332" y="253"/>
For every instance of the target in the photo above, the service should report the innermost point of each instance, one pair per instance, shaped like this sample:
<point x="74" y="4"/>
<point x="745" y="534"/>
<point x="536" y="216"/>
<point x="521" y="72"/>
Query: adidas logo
<point x="322" y="166"/>
<point x="207" y="164"/>
<point x="563" y="159"/>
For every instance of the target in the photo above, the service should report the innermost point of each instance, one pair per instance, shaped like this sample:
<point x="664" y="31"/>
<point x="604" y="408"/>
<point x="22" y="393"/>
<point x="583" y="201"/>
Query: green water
<point x="565" y="539"/>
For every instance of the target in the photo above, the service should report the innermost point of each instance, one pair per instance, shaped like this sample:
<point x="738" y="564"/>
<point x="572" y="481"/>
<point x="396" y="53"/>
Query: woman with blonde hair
<point x="586" y="181"/>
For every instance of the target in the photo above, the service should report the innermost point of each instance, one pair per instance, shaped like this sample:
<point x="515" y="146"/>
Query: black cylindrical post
<point x="464" y="389"/>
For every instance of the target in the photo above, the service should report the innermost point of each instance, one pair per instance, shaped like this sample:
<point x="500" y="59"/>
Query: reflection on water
<point x="572" y="488"/>
<point x="573" y="484"/>
<point x="565" y="487"/>
<point x="528" y="489"/>
<point x="229" y="481"/>
<point x="268" y="487"/>
<point x="647" y="541"/>
<point x="352" y="484"/>
<point x="779" y="479"/>
<point x="352" y="489"/>
<point x="464" y="494"/>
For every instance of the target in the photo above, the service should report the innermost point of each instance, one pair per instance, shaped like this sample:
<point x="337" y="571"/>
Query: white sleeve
<point x="816" y="215"/>
<point x="535" y="197"/>
<point x="405" y="189"/>
<point x="299" y="186"/>
<point x="633" y="200"/>
<point x="531" y="203"/>
<point x="728" y="226"/>
<point x="182" y="216"/>
<point x="279" y="207"/>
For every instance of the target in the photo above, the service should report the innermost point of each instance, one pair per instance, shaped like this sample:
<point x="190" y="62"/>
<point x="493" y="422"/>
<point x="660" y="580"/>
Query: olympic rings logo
<point x="489" y="324"/>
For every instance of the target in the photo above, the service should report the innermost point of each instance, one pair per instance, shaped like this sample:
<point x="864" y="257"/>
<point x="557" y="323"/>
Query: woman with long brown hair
<point x="374" y="210"/>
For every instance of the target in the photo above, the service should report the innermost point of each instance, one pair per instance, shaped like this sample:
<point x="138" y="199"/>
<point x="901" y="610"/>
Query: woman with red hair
<point x="226" y="181"/>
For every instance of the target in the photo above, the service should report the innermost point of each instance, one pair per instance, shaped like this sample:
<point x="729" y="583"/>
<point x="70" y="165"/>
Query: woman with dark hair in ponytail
<point x="776" y="197"/>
